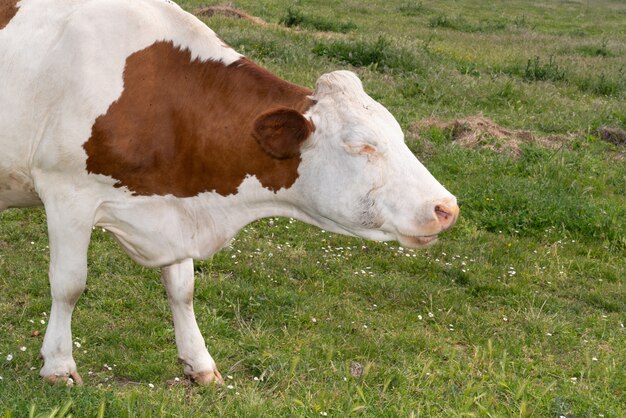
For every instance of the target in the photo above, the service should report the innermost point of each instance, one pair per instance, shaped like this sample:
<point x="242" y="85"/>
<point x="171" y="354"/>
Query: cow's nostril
<point x="446" y="214"/>
<point x="442" y="212"/>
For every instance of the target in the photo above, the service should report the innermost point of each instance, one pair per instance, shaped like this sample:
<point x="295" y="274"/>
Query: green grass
<point x="518" y="311"/>
<point x="295" y="18"/>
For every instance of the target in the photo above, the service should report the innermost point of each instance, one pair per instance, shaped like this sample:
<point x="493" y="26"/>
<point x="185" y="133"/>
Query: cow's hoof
<point x="70" y="379"/>
<point x="208" y="377"/>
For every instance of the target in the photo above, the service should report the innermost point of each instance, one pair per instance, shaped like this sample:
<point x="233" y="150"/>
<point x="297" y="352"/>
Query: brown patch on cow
<point x="8" y="9"/>
<point x="227" y="11"/>
<point x="480" y="132"/>
<point x="184" y="126"/>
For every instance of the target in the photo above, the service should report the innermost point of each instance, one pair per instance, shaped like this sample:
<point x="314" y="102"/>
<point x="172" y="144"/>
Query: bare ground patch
<point x="228" y="11"/>
<point x="480" y="132"/>
<point x="615" y="136"/>
<point x="232" y="12"/>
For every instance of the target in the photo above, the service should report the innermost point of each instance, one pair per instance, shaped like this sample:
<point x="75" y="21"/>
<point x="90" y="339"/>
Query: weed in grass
<point x="506" y="92"/>
<point x="379" y="55"/>
<point x="358" y="54"/>
<point x="443" y="21"/>
<point x="413" y="8"/>
<point x="461" y="24"/>
<point x="520" y="22"/>
<point x="536" y="70"/>
<point x="602" y="84"/>
<point x="296" y="18"/>
<point x="259" y="50"/>
<point x="601" y="50"/>
<point x="469" y="68"/>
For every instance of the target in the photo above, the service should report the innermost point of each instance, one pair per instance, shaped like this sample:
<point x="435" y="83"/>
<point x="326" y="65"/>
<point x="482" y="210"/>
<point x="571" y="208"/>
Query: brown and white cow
<point x="134" y="117"/>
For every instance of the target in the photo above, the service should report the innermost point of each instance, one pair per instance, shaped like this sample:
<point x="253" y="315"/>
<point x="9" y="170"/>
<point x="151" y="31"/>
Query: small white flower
<point x="505" y="319"/>
<point x="229" y="377"/>
<point x="77" y="344"/>
<point x="150" y="385"/>
<point x="1" y="378"/>
<point x="256" y="379"/>
<point x="42" y="321"/>
<point x="549" y="334"/>
<point x="230" y="387"/>
<point x="594" y="359"/>
<point x="22" y="348"/>
<point x="364" y="326"/>
<point x="313" y="320"/>
<point x="10" y="357"/>
<point x="176" y="379"/>
<point x="431" y="315"/>
<point x="324" y="414"/>
<point x="419" y="317"/>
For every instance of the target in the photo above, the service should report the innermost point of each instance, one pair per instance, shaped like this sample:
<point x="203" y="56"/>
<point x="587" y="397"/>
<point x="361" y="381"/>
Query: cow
<point x="134" y="117"/>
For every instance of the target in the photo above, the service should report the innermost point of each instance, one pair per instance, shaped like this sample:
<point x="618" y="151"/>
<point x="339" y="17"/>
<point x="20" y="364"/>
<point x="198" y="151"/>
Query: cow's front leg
<point x="69" y="239"/>
<point x="199" y="365"/>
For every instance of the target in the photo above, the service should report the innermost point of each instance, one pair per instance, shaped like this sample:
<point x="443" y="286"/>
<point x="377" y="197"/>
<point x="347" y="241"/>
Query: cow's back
<point x="61" y="66"/>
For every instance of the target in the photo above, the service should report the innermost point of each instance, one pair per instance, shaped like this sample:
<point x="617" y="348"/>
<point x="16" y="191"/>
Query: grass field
<point x="518" y="311"/>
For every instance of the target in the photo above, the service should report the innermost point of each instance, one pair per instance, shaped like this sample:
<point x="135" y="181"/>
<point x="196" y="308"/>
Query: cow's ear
<point x="281" y="132"/>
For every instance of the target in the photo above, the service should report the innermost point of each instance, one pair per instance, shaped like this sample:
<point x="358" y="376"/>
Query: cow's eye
<point x="361" y="148"/>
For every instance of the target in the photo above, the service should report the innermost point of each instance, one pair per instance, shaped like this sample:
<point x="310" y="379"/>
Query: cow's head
<point x="357" y="175"/>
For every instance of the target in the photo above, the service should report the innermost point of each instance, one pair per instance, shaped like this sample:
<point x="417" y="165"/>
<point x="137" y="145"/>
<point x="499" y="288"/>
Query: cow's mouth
<point x="416" y="241"/>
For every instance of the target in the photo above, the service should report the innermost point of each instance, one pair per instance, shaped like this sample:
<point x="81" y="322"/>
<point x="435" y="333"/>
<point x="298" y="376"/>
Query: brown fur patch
<point x="8" y="9"/>
<point x="184" y="127"/>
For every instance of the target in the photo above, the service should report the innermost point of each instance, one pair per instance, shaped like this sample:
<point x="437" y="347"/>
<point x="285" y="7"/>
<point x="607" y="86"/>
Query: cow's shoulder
<point x="184" y="125"/>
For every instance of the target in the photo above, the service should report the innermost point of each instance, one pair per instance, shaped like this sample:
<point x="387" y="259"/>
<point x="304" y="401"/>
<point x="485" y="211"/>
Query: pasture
<point x="519" y="310"/>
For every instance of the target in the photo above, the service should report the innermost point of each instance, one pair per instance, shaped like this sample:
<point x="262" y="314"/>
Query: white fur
<point x="61" y="66"/>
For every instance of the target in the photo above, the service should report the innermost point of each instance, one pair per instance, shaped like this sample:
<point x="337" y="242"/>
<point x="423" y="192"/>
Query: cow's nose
<point x="447" y="213"/>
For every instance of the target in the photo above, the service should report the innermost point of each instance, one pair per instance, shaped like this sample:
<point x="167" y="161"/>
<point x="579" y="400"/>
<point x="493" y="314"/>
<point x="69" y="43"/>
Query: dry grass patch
<point x="228" y="11"/>
<point x="480" y="132"/>
<point x="613" y="135"/>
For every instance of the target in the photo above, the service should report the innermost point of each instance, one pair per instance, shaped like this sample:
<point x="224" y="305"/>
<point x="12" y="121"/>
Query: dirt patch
<point x="480" y="132"/>
<point x="227" y="11"/>
<point x="613" y="135"/>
